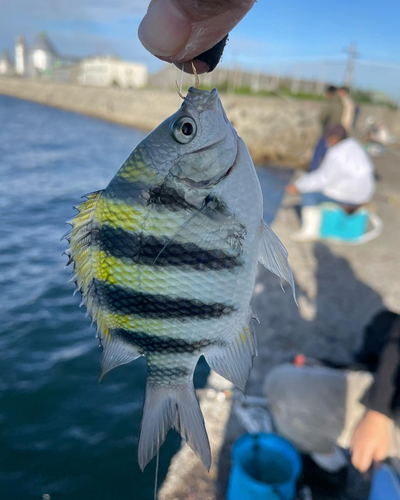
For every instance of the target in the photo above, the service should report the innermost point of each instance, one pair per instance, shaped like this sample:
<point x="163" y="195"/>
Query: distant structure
<point x="108" y="71"/>
<point x="43" y="56"/>
<point x="20" y="56"/>
<point x="6" y="66"/>
<point x="353" y="54"/>
<point x="43" y="61"/>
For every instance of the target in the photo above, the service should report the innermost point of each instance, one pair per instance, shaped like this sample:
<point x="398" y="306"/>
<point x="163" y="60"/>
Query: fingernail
<point x="164" y="31"/>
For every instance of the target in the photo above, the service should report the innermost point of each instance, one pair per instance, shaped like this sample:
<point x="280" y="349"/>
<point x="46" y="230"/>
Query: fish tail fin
<point x="172" y="406"/>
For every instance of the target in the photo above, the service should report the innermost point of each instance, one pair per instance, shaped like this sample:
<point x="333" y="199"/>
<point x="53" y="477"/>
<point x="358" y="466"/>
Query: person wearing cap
<point x="346" y="177"/>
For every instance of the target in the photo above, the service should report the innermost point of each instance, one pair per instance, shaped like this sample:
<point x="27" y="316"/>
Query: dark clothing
<point x="332" y="113"/>
<point x="319" y="153"/>
<point x="384" y="394"/>
<point x="315" y="198"/>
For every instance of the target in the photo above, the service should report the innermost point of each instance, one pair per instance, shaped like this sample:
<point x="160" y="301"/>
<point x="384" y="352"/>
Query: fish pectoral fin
<point x="235" y="361"/>
<point x="116" y="353"/>
<point x="172" y="406"/>
<point x="274" y="256"/>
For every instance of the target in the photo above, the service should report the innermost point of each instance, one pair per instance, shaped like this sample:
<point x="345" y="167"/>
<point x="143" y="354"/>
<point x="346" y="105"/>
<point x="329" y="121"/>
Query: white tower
<point x="20" y="56"/>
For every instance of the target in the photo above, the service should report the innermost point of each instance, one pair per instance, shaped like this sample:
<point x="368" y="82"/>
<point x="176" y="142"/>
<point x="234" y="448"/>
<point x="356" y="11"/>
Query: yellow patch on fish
<point x="118" y="214"/>
<point x="136" y="170"/>
<point x="135" y="323"/>
<point x="107" y="268"/>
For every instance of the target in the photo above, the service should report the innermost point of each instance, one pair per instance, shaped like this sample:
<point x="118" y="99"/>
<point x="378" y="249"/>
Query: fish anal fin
<point x="168" y="406"/>
<point x="274" y="256"/>
<point x="235" y="360"/>
<point x="116" y="353"/>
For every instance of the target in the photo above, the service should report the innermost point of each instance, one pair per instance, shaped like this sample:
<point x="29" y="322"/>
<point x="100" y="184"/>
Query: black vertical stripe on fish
<point x="129" y="192"/>
<point x="166" y="373"/>
<point x="150" y="250"/>
<point x="160" y="343"/>
<point x="117" y="299"/>
<point x="169" y="198"/>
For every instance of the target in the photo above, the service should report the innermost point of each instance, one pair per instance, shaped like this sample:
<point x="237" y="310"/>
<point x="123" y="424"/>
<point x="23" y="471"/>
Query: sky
<point x="305" y="39"/>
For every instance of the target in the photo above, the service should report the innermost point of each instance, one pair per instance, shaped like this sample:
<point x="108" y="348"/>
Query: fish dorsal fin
<point x="79" y="252"/>
<point x="274" y="256"/>
<point x="235" y="360"/>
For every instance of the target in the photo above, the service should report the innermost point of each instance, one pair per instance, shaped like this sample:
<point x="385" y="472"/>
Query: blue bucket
<point x="336" y="223"/>
<point x="263" y="466"/>
<point x="385" y="484"/>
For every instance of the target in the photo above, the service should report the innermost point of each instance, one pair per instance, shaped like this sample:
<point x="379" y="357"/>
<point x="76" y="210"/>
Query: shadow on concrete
<point x="342" y="306"/>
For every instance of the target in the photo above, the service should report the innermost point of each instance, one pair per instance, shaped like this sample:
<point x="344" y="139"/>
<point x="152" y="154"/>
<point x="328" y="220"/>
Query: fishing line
<point x="181" y="83"/>
<point x="179" y="87"/>
<point x="156" y="477"/>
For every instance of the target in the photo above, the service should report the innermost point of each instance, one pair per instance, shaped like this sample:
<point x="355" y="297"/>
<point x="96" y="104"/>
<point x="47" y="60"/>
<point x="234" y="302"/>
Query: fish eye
<point x="183" y="130"/>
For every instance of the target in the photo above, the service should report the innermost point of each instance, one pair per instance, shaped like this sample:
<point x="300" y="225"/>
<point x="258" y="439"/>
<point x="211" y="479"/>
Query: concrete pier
<point x="339" y="288"/>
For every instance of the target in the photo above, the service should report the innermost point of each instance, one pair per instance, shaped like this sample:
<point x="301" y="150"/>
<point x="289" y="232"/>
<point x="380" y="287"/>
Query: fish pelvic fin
<point x="274" y="256"/>
<point x="235" y="360"/>
<point x="168" y="406"/>
<point x="116" y="353"/>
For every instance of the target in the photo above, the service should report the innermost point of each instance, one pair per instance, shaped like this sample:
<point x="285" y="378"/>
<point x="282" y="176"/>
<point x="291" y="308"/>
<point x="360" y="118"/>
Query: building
<point x="107" y="71"/>
<point x="6" y="66"/>
<point x="43" y="57"/>
<point x="20" y="56"/>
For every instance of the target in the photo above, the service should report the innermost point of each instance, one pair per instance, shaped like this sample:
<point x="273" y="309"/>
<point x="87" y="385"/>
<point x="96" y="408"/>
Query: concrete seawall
<point x="275" y="130"/>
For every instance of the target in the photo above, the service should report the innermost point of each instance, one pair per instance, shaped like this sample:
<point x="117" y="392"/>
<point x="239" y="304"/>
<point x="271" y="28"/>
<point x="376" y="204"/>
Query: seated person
<point x="322" y="410"/>
<point x="346" y="176"/>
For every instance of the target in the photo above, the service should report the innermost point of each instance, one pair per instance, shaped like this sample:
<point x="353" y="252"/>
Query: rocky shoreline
<point x="278" y="131"/>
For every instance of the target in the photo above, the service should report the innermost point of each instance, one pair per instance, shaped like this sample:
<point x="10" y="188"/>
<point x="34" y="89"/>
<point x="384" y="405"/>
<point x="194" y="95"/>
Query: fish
<point x="165" y="258"/>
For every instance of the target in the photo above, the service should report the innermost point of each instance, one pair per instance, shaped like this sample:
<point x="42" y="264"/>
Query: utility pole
<point x="353" y="54"/>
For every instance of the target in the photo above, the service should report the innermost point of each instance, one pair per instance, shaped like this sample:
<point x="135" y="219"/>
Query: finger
<point x="380" y="453"/>
<point x="362" y="459"/>
<point x="180" y="30"/>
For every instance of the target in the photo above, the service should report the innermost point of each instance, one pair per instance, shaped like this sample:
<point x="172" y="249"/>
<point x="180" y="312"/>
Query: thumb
<point x="178" y="31"/>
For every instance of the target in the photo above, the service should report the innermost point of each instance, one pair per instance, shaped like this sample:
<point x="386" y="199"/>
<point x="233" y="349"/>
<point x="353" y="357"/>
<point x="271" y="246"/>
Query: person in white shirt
<point x="346" y="177"/>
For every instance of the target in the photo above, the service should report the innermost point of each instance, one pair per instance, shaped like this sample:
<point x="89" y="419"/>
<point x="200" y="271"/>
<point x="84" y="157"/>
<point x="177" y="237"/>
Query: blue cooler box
<point x="336" y="223"/>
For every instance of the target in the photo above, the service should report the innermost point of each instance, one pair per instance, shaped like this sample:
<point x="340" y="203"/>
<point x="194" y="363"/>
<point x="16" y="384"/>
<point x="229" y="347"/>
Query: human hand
<point x="179" y="31"/>
<point x="370" y="440"/>
<point x="291" y="189"/>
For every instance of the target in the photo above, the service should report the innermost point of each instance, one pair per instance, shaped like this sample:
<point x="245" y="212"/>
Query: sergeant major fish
<point x="165" y="259"/>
